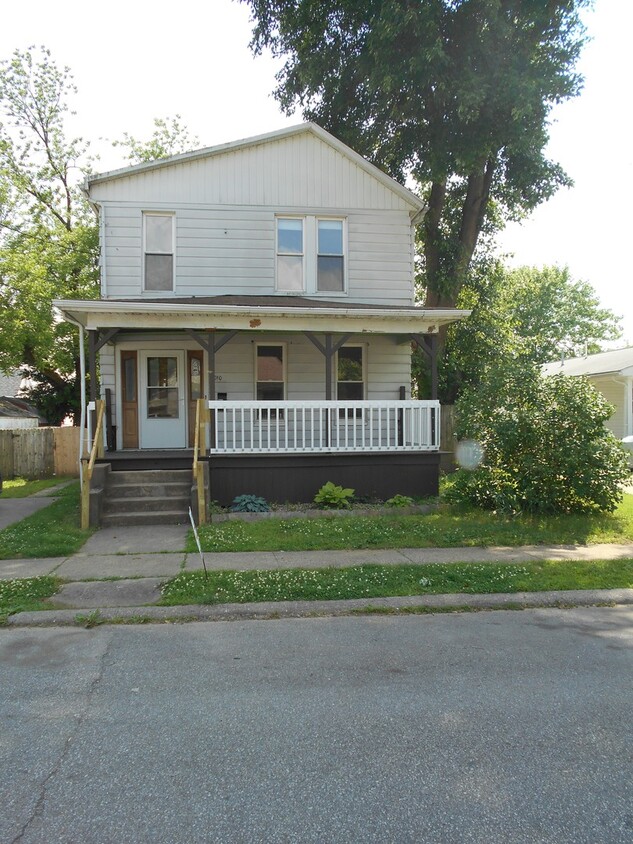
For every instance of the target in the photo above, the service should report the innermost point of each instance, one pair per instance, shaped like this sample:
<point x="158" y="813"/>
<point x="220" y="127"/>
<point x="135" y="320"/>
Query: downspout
<point x="82" y="387"/>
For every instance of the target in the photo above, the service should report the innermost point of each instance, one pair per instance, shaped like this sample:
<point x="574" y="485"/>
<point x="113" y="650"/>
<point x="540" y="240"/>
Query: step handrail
<point x="86" y="475"/>
<point x="198" y="468"/>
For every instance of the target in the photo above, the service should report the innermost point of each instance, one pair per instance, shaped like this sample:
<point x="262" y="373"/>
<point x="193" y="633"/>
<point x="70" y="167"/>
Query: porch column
<point x="328" y="351"/>
<point x="211" y="346"/>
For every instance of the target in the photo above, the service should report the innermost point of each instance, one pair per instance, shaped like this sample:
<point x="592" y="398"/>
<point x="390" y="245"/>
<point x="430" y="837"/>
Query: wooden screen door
<point x="195" y="389"/>
<point x="129" y="399"/>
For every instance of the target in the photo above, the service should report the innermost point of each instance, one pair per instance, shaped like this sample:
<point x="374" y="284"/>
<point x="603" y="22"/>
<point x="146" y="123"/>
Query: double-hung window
<point x="270" y="376"/>
<point x="290" y="254"/>
<point x="310" y="254"/>
<point x="158" y="247"/>
<point x="270" y="370"/>
<point x="330" y="257"/>
<point x="350" y="378"/>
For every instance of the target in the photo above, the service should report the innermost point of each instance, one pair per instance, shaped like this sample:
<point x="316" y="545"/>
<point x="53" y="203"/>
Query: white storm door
<point x="163" y="406"/>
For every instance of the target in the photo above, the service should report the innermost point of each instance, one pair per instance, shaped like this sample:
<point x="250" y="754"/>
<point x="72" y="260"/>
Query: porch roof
<point x="256" y="313"/>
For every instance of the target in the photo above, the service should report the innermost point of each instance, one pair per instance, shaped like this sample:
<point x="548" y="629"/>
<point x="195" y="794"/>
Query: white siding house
<point x="611" y="373"/>
<point x="277" y="270"/>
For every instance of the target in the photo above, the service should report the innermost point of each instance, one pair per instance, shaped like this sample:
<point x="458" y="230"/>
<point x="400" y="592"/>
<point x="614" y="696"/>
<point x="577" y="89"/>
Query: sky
<point x="135" y="60"/>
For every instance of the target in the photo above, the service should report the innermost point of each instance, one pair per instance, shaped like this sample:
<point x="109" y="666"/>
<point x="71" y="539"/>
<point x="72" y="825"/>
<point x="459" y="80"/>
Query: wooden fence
<point x="39" y="452"/>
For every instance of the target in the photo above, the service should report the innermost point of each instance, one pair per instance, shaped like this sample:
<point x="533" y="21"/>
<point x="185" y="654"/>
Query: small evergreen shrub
<point x="249" y="504"/>
<point x="546" y="448"/>
<point x="334" y="497"/>
<point x="399" y="501"/>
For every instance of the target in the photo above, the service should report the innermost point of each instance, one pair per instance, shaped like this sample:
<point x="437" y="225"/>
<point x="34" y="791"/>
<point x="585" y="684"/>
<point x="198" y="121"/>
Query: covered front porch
<point x="274" y="397"/>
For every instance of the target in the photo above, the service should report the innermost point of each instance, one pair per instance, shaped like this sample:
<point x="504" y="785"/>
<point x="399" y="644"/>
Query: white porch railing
<point x="255" y="427"/>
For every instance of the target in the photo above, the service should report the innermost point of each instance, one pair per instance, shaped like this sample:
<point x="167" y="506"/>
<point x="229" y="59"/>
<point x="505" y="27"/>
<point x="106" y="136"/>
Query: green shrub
<point x="546" y="448"/>
<point x="399" y="501"/>
<point x="249" y="504"/>
<point x="334" y="497"/>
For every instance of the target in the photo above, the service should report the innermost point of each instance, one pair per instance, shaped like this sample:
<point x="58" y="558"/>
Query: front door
<point x="162" y="399"/>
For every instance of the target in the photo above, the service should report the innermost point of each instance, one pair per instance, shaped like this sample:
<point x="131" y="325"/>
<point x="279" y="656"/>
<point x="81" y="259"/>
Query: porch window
<point x="330" y="258"/>
<point x="271" y="377"/>
<point x="270" y="373"/>
<point x="158" y="251"/>
<point x="290" y="255"/>
<point x="350" y="377"/>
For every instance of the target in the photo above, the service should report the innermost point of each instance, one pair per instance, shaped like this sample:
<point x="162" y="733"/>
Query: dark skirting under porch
<point x="297" y="477"/>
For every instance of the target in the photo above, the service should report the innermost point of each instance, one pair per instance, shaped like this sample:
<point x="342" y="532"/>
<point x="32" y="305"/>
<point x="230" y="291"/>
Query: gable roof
<point x="616" y="362"/>
<point x="292" y="131"/>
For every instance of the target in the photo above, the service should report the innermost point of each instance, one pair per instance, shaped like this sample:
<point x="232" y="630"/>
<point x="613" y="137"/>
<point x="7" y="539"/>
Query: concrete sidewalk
<point x="140" y="558"/>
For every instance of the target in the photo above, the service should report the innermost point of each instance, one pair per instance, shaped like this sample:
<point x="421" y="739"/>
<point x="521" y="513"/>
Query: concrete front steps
<point x="147" y="497"/>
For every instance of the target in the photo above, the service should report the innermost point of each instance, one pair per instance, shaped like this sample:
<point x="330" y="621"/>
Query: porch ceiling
<point x="256" y="314"/>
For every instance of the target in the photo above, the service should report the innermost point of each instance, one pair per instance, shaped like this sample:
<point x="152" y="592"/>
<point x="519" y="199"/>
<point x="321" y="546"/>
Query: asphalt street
<point x="488" y="727"/>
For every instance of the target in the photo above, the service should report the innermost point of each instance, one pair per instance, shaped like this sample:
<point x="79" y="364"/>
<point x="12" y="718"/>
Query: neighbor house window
<point x="158" y="251"/>
<point x="290" y="255"/>
<point x="330" y="257"/>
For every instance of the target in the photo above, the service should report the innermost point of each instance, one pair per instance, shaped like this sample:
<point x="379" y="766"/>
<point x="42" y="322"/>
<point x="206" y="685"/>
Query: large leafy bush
<point x="546" y="449"/>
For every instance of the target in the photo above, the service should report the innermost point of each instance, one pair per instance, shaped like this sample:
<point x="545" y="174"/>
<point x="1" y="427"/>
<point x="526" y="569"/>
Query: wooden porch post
<point x="211" y="346"/>
<point x="328" y="351"/>
<point x="427" y="343"/>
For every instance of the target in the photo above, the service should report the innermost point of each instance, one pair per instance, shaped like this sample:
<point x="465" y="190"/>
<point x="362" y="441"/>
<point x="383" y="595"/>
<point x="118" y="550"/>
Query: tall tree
<point x="170" y="137"/>
<point x="48" y="236"/>
<point x="525" y="316"/>
<point x="455" y="93"/>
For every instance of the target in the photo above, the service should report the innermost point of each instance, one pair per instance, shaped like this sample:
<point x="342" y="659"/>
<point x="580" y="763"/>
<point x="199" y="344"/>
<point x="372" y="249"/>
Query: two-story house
<point x="272" y="277"/>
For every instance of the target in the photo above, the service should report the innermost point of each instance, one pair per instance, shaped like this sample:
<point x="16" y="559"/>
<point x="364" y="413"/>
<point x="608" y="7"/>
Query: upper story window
<point x="158" y="247"/>
<point x="310" y="255"/>
<point x="290" y="254"/>
<point x="330" y="257"/>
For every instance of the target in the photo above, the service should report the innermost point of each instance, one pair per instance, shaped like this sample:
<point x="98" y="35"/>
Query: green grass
<point x="377" y="581"/>
<point x="448" y="527"/>
<point x="25" y="595"/>
<point x="21" y="488"/>
<point x="51" y="532"/>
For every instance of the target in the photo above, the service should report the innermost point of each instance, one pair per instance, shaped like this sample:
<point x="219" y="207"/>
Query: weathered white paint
<point x="286" y="427"/>
<point x="388" y="365"/>
<point x="288" y="169"/>
<point x="232" y="250"/>
<point x="225" y="206"/>
<point x="135" y="314"/>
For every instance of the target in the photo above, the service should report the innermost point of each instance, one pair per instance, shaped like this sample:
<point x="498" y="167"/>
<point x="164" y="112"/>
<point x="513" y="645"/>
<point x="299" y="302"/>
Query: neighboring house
<point x="15" y="413"/>
<point x="611" y="373"/>
<point x="273" y="276"/>
<point x="10" y="383"/>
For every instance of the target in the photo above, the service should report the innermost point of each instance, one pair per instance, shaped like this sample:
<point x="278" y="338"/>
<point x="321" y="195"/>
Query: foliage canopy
<point x="546" y="447"/>
<point x="456" y="93"/>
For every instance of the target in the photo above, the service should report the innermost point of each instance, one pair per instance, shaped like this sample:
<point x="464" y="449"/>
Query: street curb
<point x="458" y="602"/>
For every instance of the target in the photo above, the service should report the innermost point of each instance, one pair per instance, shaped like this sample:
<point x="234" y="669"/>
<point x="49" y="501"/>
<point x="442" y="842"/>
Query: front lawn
<point x="51" y="532"/>
<point x="379" y="581"/>
<point x="21" y="488"/>
<point x="448" y="527"/>
<point x="25" y="595"/>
